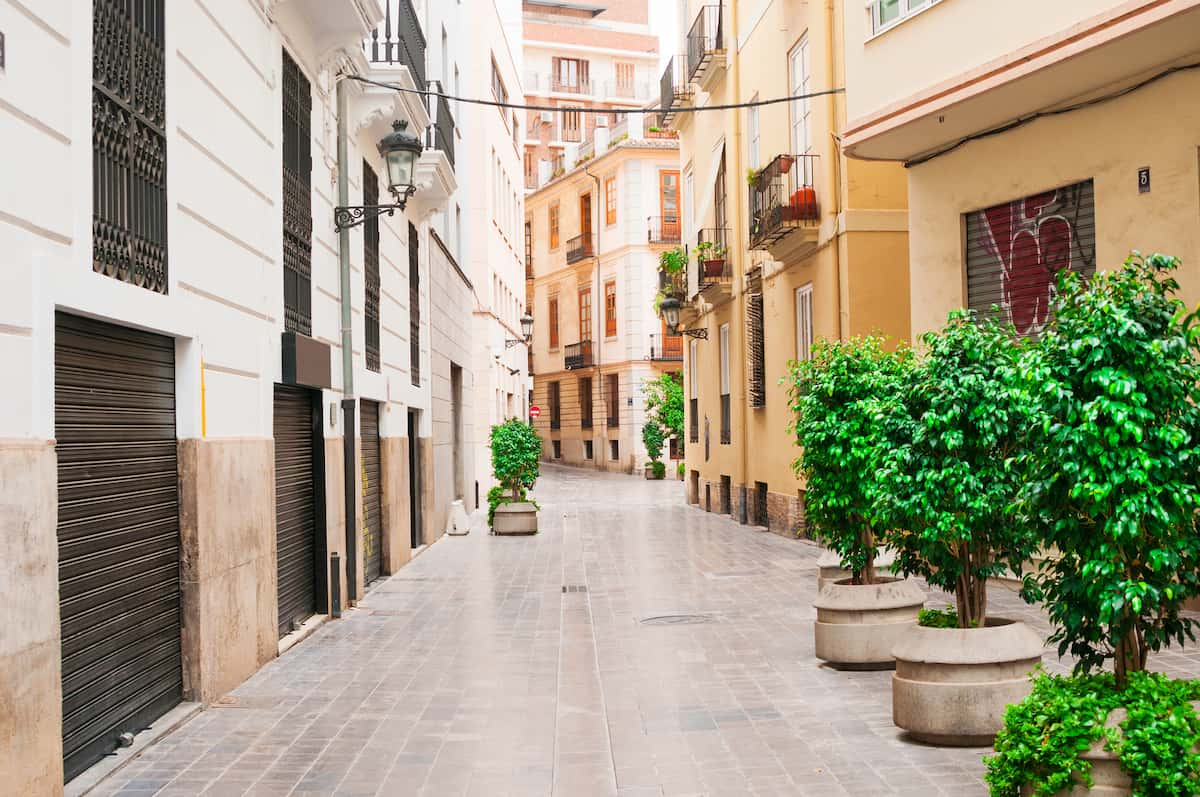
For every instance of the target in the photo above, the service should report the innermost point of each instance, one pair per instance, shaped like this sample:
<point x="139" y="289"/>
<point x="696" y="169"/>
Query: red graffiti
<point x="1032" y="249"/>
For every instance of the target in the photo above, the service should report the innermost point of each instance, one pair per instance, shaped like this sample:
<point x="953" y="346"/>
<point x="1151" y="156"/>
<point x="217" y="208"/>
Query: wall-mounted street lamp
<point x="669" y="308"/>
<point x="526" y="330"/>
<point x="400" y="150"/>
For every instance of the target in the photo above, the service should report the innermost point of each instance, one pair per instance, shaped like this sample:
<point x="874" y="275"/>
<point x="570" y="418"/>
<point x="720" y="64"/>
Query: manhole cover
<point x="677" y="619"/>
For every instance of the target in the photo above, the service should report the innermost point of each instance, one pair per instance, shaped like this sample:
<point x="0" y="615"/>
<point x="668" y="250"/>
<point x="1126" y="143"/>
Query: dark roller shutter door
<point x="372" y="494"/>
<point x="295" y="505"/>
<point x="118" y="533"/>
<point x="1015" y="251"/>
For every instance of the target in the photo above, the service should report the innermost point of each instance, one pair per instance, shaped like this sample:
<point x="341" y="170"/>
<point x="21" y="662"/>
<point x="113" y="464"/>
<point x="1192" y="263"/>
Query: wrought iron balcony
<point x="674" y="88"/>
<point x="580" y="247"/>
<point x="783" y="199"/>
<point x="578" y="86"/>
<point x="704" y="41"/>
<point x="666" y="348"/>
<point x="441" y="134"/>
<point x="712" y="262"/>
<point x="664" y="229"/>
<point x="613" y="420"/>
<point x="673" y="285"/>
<point x="578" y="355"/>
<point x="399" y="41"/>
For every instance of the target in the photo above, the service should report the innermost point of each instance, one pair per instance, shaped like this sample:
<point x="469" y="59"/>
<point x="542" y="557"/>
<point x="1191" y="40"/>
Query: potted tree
<point x="712" y="255"/>
<point x="952" y="429"/>
<point x="832" y="398"/>
<point x="664" y="406"/>
<point x="515" y="451"/>
<point x="652" y="438"/>
<point x="1114" y="486"/>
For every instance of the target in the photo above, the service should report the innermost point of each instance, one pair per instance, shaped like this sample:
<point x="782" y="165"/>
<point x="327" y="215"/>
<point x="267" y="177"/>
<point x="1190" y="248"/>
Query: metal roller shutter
<point x="1015" y="251"/>
<point x="372" y="494"/>
<point x="296" y="430"/>
<point x="118" y="533"/>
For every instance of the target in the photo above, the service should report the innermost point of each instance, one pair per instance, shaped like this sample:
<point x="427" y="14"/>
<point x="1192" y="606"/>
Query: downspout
<point x="596" y="316"/>
<point x="743" y="213"/>
<point x="843" y="269"/>
<point x="349" y="427"/>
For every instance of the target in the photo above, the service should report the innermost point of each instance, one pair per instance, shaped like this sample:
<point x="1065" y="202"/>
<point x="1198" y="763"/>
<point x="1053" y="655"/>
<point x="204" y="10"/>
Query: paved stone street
<point x="635" y="647"/>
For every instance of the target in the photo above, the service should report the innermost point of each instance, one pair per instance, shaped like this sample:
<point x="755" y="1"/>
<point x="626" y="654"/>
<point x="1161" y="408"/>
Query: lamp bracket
<point x="699" y="334"/>
<point x="347" y="216"/>
<point x="508" y="344"/>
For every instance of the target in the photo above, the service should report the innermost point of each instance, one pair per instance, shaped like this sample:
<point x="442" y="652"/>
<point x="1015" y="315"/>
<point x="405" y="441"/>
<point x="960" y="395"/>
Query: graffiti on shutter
<point x="1015" y="251"/>
<point x="756" y="351"/>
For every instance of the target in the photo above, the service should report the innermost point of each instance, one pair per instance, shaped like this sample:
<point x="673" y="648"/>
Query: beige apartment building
<point x="1038" y="136"/>
<point x="815" y="245"/>
<point x="593" y="237"/>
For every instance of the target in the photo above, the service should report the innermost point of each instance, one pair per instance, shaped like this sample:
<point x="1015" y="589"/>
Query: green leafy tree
<point x="653" y="437"/>
<point x="515" y="451"/>
<point x="1115" y="469"/>
<point x="664" y="406"/>
<point x="951" y="433"/>
<point x="833" y="398"/>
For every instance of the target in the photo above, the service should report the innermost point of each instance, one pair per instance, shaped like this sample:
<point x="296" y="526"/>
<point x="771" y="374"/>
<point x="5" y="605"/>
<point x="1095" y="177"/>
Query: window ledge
<point x="892" y="26"/>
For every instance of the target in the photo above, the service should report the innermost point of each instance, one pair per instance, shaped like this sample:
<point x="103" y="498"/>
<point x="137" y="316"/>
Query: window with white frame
<point x="886" y="13"/>
<point x="800" y="84"/>
<point x="752" y="124"/>
<point x="689" y="203"/>
<point x="804" y="322"/>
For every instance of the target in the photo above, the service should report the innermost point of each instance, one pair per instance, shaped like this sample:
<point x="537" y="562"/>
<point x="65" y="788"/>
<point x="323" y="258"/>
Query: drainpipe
<point x="842" y="269"/>
<point x="597" y="302"/>
<point x="743" y="213"/>
<point x="349" y="427"/>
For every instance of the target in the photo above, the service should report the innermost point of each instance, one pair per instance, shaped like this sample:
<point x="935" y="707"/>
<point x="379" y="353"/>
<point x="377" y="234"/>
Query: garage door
<point x="118" y="533"/>
<point x="1015" y="251"/>
<point x="296" y="431"/>
<point x="372" y="494"/>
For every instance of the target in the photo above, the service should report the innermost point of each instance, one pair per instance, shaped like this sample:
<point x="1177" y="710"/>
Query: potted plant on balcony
<point x="832" y="397"/>
<point x="515" y="451"/>
<point x="952" y="431"/>
<point x="1114" y="487"/>
<point x="712" y="255"/>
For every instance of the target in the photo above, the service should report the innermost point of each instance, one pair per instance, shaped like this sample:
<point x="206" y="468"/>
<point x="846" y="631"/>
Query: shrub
<point x="673" y="261"/>
<point x="1115" y="469"/>
<point x="952" y="430"/>
<point x="657" y="469"/>
<point x="652" y="438"/>
<point x="515" y="451"/>
<point x="832" y="398"/>
<point x="680" y="469"/>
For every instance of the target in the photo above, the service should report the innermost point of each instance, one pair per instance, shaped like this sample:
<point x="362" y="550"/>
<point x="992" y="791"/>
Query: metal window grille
<point x="371" y="269"/>
<point x="760" y="504"/>
<point x="756" y="351"/>
<point x="129" y="145"/>
<point x="297" y="199"/>
<point x="414" y="303"/>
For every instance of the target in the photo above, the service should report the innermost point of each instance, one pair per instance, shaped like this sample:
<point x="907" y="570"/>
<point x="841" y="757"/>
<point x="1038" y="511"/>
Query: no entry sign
<point x="535" y="412"/>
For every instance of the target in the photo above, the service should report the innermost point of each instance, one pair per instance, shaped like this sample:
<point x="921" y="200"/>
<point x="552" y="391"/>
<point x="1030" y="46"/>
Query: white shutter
<point x="804" y="322"/>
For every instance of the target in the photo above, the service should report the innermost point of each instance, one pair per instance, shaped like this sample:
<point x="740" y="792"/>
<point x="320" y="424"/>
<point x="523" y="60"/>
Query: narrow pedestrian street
<point x="635" y="647"/>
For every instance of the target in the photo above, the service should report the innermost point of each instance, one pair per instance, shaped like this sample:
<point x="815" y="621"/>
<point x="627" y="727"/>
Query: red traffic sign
<point x="535" y="412"/>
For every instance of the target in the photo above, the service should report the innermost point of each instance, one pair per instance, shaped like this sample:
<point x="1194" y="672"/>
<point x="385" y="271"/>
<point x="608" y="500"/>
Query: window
<point x="694" y="391"/>
<point x="755" y="136"/>
<point x="297" y="199"/>
<point x="800" y="82"/>
<point x="570" y="74"/>
<point x="588" y="450"/>
<point x="689" y="204"/>
<point x="610" y="200"/>
<point x="528" y="250"/>
<point x="516" y="128"/>
<point x="414" y="304"/>
<point x="612" y="396"/>
<point x="726" y="420"/>
<point x="554" y="226"/>
<point x="571" y="125"/>
<point x="720" y="220"/>
<point x="129" y="154"/>
<point x="552" y="398"/>
<point x="610" y="309"/>
<point x="585" y="314"/>
<point x="624" y="79"/>
<point x="885" y="13"/>
<point x="585" y="402"/>
<point x="756" y="351"/>
<point x="615" y="449"/>
<point x="804" y="323"/>
<point x="371" y="269"/>
<point x="530" y="169"/>
<point x="668" y="203"/>
<point x="760" y="504"/>
<point x="553" y="322"/>
<point x="498" y="90"/>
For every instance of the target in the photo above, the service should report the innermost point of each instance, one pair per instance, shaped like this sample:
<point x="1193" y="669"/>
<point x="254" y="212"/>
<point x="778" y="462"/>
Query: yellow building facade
<point x="815" y="245"/>
<point x="1037" y="136"/>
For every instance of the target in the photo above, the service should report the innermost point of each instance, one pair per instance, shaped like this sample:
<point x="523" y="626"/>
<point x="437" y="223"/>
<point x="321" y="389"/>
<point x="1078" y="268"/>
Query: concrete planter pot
<point x="858" y="625"/>
<point x="515" y="519"/>
<point x="829" y="567"/>
<point x="952" y="684"/>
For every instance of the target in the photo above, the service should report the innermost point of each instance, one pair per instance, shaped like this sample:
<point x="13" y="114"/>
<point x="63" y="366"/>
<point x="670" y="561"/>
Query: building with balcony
<point x="595" y="234"/>
<point x="581" y="56"/>
<point x="224" y="417"/>
<point x="1036" y="136"/>
<point x="788" y="241"/>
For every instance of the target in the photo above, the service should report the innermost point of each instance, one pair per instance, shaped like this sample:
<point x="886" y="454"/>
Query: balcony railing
<point x="666" y="348"/>
<point x="571" y="87"/>
<point x="579" y="248"/>
<point x="664" y="229"/>
<point x="674" y="285"/>
<point x="399" y="41"/>
<point x="704" y="40"/>
<point x="783" y="198"/>
<point x="619" y="130"/>
<point x="441" y="133"/>
<point x="587" y="151"/>
<point x="578" y="355"/>
<point x="717" y="268"/>
<point x="572" y="134"/>
<point x="674" y="87"/>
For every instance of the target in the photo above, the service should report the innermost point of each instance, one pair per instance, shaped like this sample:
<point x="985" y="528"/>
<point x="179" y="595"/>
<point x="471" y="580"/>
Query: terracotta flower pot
<point x="858" y="625"/>
<point x="714" y="268"/>
<point x="952" y="684"/>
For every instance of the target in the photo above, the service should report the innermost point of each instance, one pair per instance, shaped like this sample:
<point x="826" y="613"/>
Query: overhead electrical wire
<point x="523" y="107"/>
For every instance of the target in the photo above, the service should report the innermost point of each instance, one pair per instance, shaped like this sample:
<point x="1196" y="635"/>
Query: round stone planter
<point x="829" y="566"/>
<point x="858" y="625"/>
<point x="952" y="684"/>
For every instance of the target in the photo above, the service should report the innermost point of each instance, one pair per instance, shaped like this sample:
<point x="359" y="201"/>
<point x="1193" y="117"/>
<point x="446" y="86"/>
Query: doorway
<point x="414" y="478"/>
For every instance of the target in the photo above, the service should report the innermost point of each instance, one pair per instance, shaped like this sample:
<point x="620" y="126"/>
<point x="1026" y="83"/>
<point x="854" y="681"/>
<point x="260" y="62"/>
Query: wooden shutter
<point x="554" y="322"/>
<point x="755" y="351"/>
<point x="414" y="303"/>
<point x="610" y="309"/>
<point x="297" y="199"/>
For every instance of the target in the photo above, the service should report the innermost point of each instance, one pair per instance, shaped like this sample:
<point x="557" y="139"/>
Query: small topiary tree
<point x="652" y="438"/>
<point x="516" y="448"/>
<point x="832" y="397"/>
<point x="951" y="431"/>
<point x="664" y="405"/>
<point x="1115" y="469"/>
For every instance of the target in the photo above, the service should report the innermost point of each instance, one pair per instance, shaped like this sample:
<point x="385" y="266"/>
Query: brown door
<point x="585" y="214"/>
<point x="668" y="203"/>
<point x="585" y="314"/>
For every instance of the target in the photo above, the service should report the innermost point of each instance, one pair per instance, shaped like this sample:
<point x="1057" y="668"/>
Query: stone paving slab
<point x="637" y="647"/>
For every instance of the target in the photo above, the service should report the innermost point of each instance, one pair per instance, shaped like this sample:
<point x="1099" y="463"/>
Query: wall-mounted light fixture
<point x="526" y="330"/>
<point x="400" y="150"/>
<point x="669" y="308"/>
